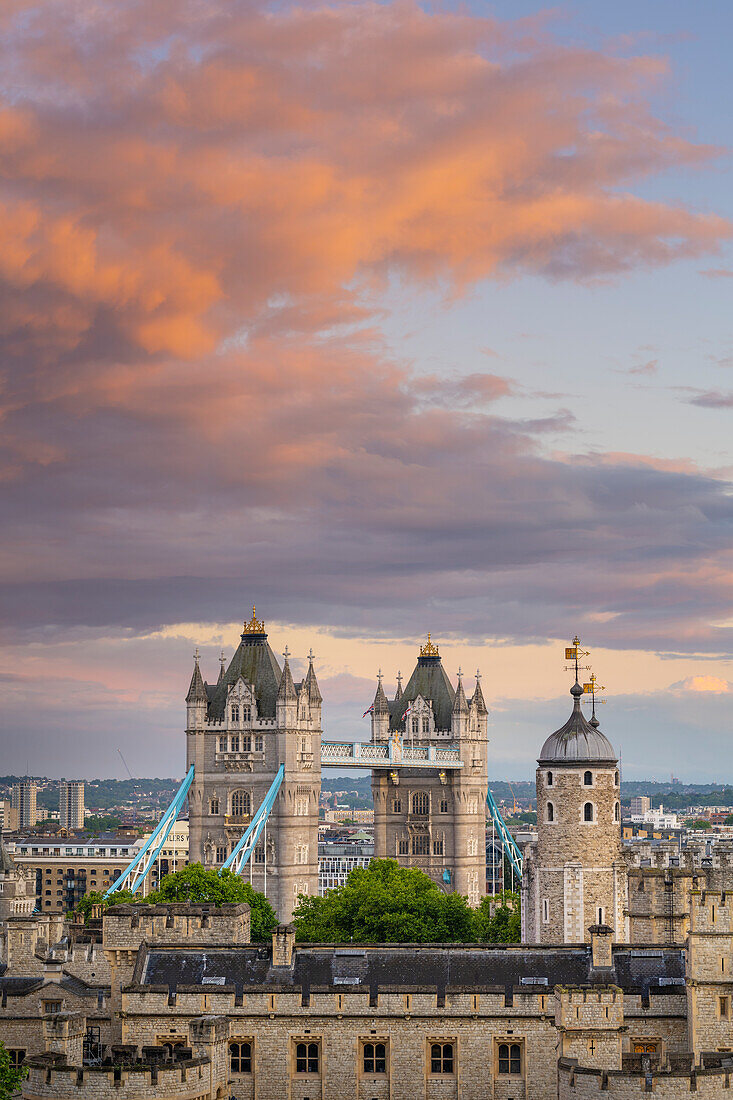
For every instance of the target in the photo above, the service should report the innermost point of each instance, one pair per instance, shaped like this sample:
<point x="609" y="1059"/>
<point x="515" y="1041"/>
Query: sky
<point x="387" y="318"/>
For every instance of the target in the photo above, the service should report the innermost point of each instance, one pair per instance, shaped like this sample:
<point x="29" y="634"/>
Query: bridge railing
<point x="366" y="754"/>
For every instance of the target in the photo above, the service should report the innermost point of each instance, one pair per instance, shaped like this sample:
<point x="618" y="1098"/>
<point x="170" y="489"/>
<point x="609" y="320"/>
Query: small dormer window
<point x="415" y="725"/>
<point x="425" y="724"/>
<point x="588" y="779"/>
<point x="235" y="712"/>
<point x="247" y="712"/>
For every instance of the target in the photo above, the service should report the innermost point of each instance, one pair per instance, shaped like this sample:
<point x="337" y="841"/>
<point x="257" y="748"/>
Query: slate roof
<point x="255" y="662"/>
<point x="431" y="682"/>
<point x="410" y="967"/>
<point x="577" y="742"/>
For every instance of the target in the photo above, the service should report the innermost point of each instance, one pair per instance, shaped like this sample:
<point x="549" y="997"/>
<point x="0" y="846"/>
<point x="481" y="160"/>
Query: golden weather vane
<point x="574" y="653"/>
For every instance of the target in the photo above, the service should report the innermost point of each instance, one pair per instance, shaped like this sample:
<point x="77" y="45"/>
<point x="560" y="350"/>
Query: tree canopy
<point x="386" y="903"/>
<point x="10" y="1078"/>
<point x="197" y="885"/>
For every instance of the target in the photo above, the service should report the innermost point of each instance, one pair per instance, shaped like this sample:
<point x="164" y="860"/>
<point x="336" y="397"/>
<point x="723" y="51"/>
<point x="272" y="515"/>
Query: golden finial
<point x="255" y="625"/>
<point x="429" y="650"/>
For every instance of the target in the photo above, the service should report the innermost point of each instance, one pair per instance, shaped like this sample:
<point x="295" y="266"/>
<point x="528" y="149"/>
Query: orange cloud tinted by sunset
<point x="201" y="206"/>
<point x="705" y="684"/>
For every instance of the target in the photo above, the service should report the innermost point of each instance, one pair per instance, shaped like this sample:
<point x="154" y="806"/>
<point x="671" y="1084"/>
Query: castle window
<point x="259" y="743"/>
<point x="588" y="811"/>
<point x="235" y="713"/>
<point x="510" y="1058"/>
<point x="588" y="779"/>
<point x="403" y="847"/>
<point x="438" y="847"/>
<point x="221" y="853"/>
<point x="441" y="1057"/>
<point x="374" y="1057"/>
<point x="550" y="812"/>
<point x="425" y="724"/>
<point x="724" y="1007"/>
<point x="17" y="1057"/>
<point x="235" y="743"/>
<point x="241" y="804"/>
<point x="545" y="911"/>
<point x="615" y="779"/>
<point x="600" y="915"/>
<point x="246" y="743"/>
<point x="222" y="744"/>
<point x="444" y="805"/>
<point x="420" y="803"/>
<point x="421" y="845"/>
<point x="549" y="779"/>
<point x="247" y="713"/>
<point x="415" y="725"/>
<point x="397" y="806"/>
<point x="617" y="812"/>
<point x="240" y="1057"/>
<point x="307" y="1057"/>
<point x="214" y="806"/>
<point x="259" y="854"/>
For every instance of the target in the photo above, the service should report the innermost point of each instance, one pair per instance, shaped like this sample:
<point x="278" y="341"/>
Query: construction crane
<point x="515" y="804"/>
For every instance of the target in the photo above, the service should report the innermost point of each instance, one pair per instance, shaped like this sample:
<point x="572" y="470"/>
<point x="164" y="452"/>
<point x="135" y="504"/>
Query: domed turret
<point x="572" y="876"/>
<point x="578" y="741"/>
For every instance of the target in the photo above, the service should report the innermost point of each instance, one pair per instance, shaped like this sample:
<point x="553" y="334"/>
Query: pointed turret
<point x="286" y="691"/>
<point x="311" y="683"/>
<point x="381" y="706"/>
<point x="222" y="669"/>
<point x="459" y="713"/>
<point x="380" y="712"/>
<point x="197" y="690"/>
<point x="6" y="860"/>
<point x="398" y="689"/>
<point x="460" y="703"/>
<point x="478" y="696"/>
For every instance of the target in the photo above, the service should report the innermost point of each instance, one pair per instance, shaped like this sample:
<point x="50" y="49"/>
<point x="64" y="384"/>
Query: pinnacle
<point x="286" y="690"/>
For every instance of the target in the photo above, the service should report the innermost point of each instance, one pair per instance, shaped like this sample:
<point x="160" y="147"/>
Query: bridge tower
<point x="431" y="819"/>
<point x="239" y="731"/>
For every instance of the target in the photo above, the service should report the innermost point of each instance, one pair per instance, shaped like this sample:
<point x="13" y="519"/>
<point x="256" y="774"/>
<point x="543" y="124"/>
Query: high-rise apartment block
<point x="71" y="805"/>
<point x="640" y="804"/>
<point x="23" y="801"/>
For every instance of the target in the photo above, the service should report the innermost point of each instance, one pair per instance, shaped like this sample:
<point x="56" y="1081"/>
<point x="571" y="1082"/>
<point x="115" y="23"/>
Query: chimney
<point x="283" y="943"/>
<point x="601" y="939"/>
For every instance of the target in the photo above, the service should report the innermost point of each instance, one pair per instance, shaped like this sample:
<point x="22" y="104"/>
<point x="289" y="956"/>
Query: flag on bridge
<point x="369" y="710"/>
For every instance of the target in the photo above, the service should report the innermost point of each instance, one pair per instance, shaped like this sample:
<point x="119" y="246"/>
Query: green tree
<point x="384" y="903"/>
<point x="10" y="1078"/>
<point x="728" y="820"/>
<point x="498" y="919"/>
<point x="195" y="884"/>
<point x="697" y="823"/>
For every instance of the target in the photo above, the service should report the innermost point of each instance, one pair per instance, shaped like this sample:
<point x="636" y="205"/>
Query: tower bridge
<point x="255" y="752"/>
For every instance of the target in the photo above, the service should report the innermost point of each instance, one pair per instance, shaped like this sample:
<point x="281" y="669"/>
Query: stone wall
<point x="585" y="1083"/>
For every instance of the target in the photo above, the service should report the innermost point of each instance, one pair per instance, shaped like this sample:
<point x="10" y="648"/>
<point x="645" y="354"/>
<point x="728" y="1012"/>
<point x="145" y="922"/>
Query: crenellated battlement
<point x="582" y="1009"/>
<point x="126" y="927"/>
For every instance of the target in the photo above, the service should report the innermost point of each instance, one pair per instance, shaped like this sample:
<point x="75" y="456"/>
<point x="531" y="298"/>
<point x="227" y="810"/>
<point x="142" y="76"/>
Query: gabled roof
<point x="256" y="664"/>
<point x="430" y="681"/>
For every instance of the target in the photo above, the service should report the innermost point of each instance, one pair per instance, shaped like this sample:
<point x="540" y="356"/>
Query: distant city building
<point x="71" y="805"/>
<point x="64" y="872"/>
<point x="336" y="860"/>
<point x="361" y="817"/>
<point x="24" y="803"/>
<point x="658" y="819"/>
<point x="641" y="804"/>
